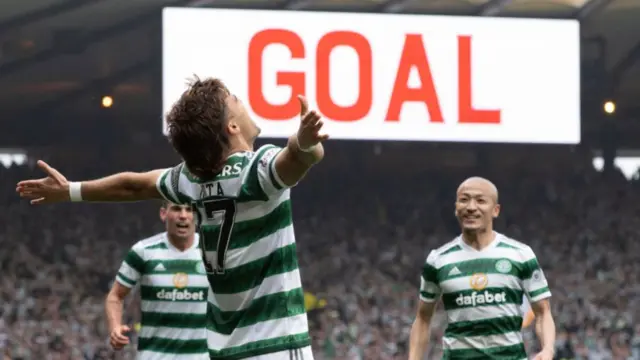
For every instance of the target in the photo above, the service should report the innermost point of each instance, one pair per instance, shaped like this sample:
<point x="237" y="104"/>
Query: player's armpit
<point x="291" y="164"/>
<point x="125" y="186"/>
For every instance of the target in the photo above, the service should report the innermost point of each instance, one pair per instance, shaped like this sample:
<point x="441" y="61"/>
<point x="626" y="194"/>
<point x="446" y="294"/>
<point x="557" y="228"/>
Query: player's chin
<point x="182" y="232"/>
<point x="469" y="226"/>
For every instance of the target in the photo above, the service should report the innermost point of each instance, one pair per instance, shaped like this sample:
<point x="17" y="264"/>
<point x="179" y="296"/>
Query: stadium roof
<point x="52" y="49"/>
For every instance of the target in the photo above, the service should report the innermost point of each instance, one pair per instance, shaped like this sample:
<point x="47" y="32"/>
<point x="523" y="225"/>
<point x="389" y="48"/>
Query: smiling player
<point x="481" y="276"/>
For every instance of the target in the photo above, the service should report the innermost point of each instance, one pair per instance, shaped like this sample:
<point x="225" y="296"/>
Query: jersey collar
<point x="196" y="240"/>
<point x="493" y="244"/>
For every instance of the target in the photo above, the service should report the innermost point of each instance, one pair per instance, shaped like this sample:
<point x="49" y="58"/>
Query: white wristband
<point x="75" y="192"/>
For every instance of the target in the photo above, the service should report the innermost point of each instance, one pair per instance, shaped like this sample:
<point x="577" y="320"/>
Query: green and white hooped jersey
<point x="482" y="293"/>
<point x="173" y="291"/>
<point x="256" y="302"/>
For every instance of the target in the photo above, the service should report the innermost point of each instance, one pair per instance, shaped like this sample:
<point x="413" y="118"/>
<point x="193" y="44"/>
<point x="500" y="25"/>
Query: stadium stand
<point x="59" y="261"/>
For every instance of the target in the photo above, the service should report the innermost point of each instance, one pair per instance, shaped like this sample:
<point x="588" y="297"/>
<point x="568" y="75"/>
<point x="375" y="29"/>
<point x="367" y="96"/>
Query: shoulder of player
<point x="244" y="160"/>
<point x="449" y="247"/>
<point x="267" y="147"/>
<point x="260" y="158"/>
<point x="266" y="152"/>
<point x="522" y="249"/>
<point x="155" y="241"/>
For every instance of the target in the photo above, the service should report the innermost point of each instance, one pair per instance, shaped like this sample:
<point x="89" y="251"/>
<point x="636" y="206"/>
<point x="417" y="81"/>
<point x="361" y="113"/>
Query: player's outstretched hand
<point x="310" y="126"/>
<point x="118" y="337"/>
<point x="51" y="189"/>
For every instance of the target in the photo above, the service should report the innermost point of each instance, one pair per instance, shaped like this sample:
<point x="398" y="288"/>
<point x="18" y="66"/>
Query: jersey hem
<point x="263" y="350"/>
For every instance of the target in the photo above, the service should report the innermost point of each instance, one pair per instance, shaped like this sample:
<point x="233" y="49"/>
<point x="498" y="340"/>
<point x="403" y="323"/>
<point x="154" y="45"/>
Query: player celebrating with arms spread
<point x="481" y="277"/>
<point x="256" y="303"/>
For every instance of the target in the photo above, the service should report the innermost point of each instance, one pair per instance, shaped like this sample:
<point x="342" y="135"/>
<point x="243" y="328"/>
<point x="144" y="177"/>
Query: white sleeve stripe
<point x="531" y="289"/>
<point x="128" y="271"/>
<point x="272" y="170"/>
<point x="160" y="184"/>
<point x="427" y="300"/>
<point x="123" y="282"/>
<point x="544" y="295"/>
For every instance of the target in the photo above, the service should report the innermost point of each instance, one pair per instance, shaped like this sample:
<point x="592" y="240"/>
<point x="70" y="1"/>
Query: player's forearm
<point x="546" y="331"/>
<point x="309" y="158"/>
<point x="113" y="309"/>
<point x="126" y="186"/>
<point x="419" y="339"/>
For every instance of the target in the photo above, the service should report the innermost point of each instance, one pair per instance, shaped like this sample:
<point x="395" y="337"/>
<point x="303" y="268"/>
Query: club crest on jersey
<point x="200" y="269"/>
<point x="180" y="280"/>
<point x="479" y="281"/>
<point x="504" y="266"/>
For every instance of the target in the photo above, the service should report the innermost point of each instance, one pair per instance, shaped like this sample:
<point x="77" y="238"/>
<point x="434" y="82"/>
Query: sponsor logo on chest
<point x="481" y="296"/>
<point x="180" y="295"/>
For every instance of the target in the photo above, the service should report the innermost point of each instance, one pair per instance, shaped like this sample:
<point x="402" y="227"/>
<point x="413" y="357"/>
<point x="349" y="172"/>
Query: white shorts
<point x="297" y="354"/>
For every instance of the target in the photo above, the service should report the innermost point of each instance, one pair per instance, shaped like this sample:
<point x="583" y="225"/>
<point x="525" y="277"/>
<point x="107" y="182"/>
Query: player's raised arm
<point x="125" y="186"/>
<point x="304" y="149"/>
<point x="429" y="295"/>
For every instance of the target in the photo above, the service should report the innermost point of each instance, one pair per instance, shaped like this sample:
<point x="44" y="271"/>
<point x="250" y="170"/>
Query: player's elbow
<point x="140" y="185"/>
<point x="133" y="182"/>
<point x="113" y="300"/>
<point x="420" y="325"/>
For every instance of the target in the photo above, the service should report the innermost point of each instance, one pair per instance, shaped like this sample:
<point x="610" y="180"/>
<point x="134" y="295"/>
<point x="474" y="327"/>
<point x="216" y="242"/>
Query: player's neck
<point x="181" y="244"/>
<point x="238" y="144"/>
<point x="479" y="239"/>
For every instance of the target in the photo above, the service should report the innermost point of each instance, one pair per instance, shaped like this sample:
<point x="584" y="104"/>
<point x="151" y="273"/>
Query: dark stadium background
<point x="369" y="214"/>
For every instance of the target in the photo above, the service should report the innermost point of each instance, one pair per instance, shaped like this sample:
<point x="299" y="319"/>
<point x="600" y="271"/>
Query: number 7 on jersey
<point x="213" y="209"/>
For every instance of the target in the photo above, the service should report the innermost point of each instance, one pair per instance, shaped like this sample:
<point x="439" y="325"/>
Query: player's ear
<point x="496" y="211"/>
<point x="163" y="213"/>
<point x="233" y="127"/>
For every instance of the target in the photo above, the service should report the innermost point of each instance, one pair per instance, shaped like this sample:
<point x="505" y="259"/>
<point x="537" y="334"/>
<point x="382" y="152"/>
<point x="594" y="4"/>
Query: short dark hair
<point x="197" y="127"/>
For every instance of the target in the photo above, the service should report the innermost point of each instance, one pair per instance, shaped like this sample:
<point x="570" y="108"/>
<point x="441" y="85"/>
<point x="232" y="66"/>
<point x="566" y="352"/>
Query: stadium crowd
<point x="361" y="246"/>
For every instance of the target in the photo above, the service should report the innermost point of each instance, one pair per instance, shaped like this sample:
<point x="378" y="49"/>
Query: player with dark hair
<point x="173" y="291"/>
<point x="197" y="127"/>
<point x="241" y="196"/>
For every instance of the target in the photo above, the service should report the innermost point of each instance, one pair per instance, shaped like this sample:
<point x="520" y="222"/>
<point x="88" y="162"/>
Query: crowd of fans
<point x="361" y="246"/>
